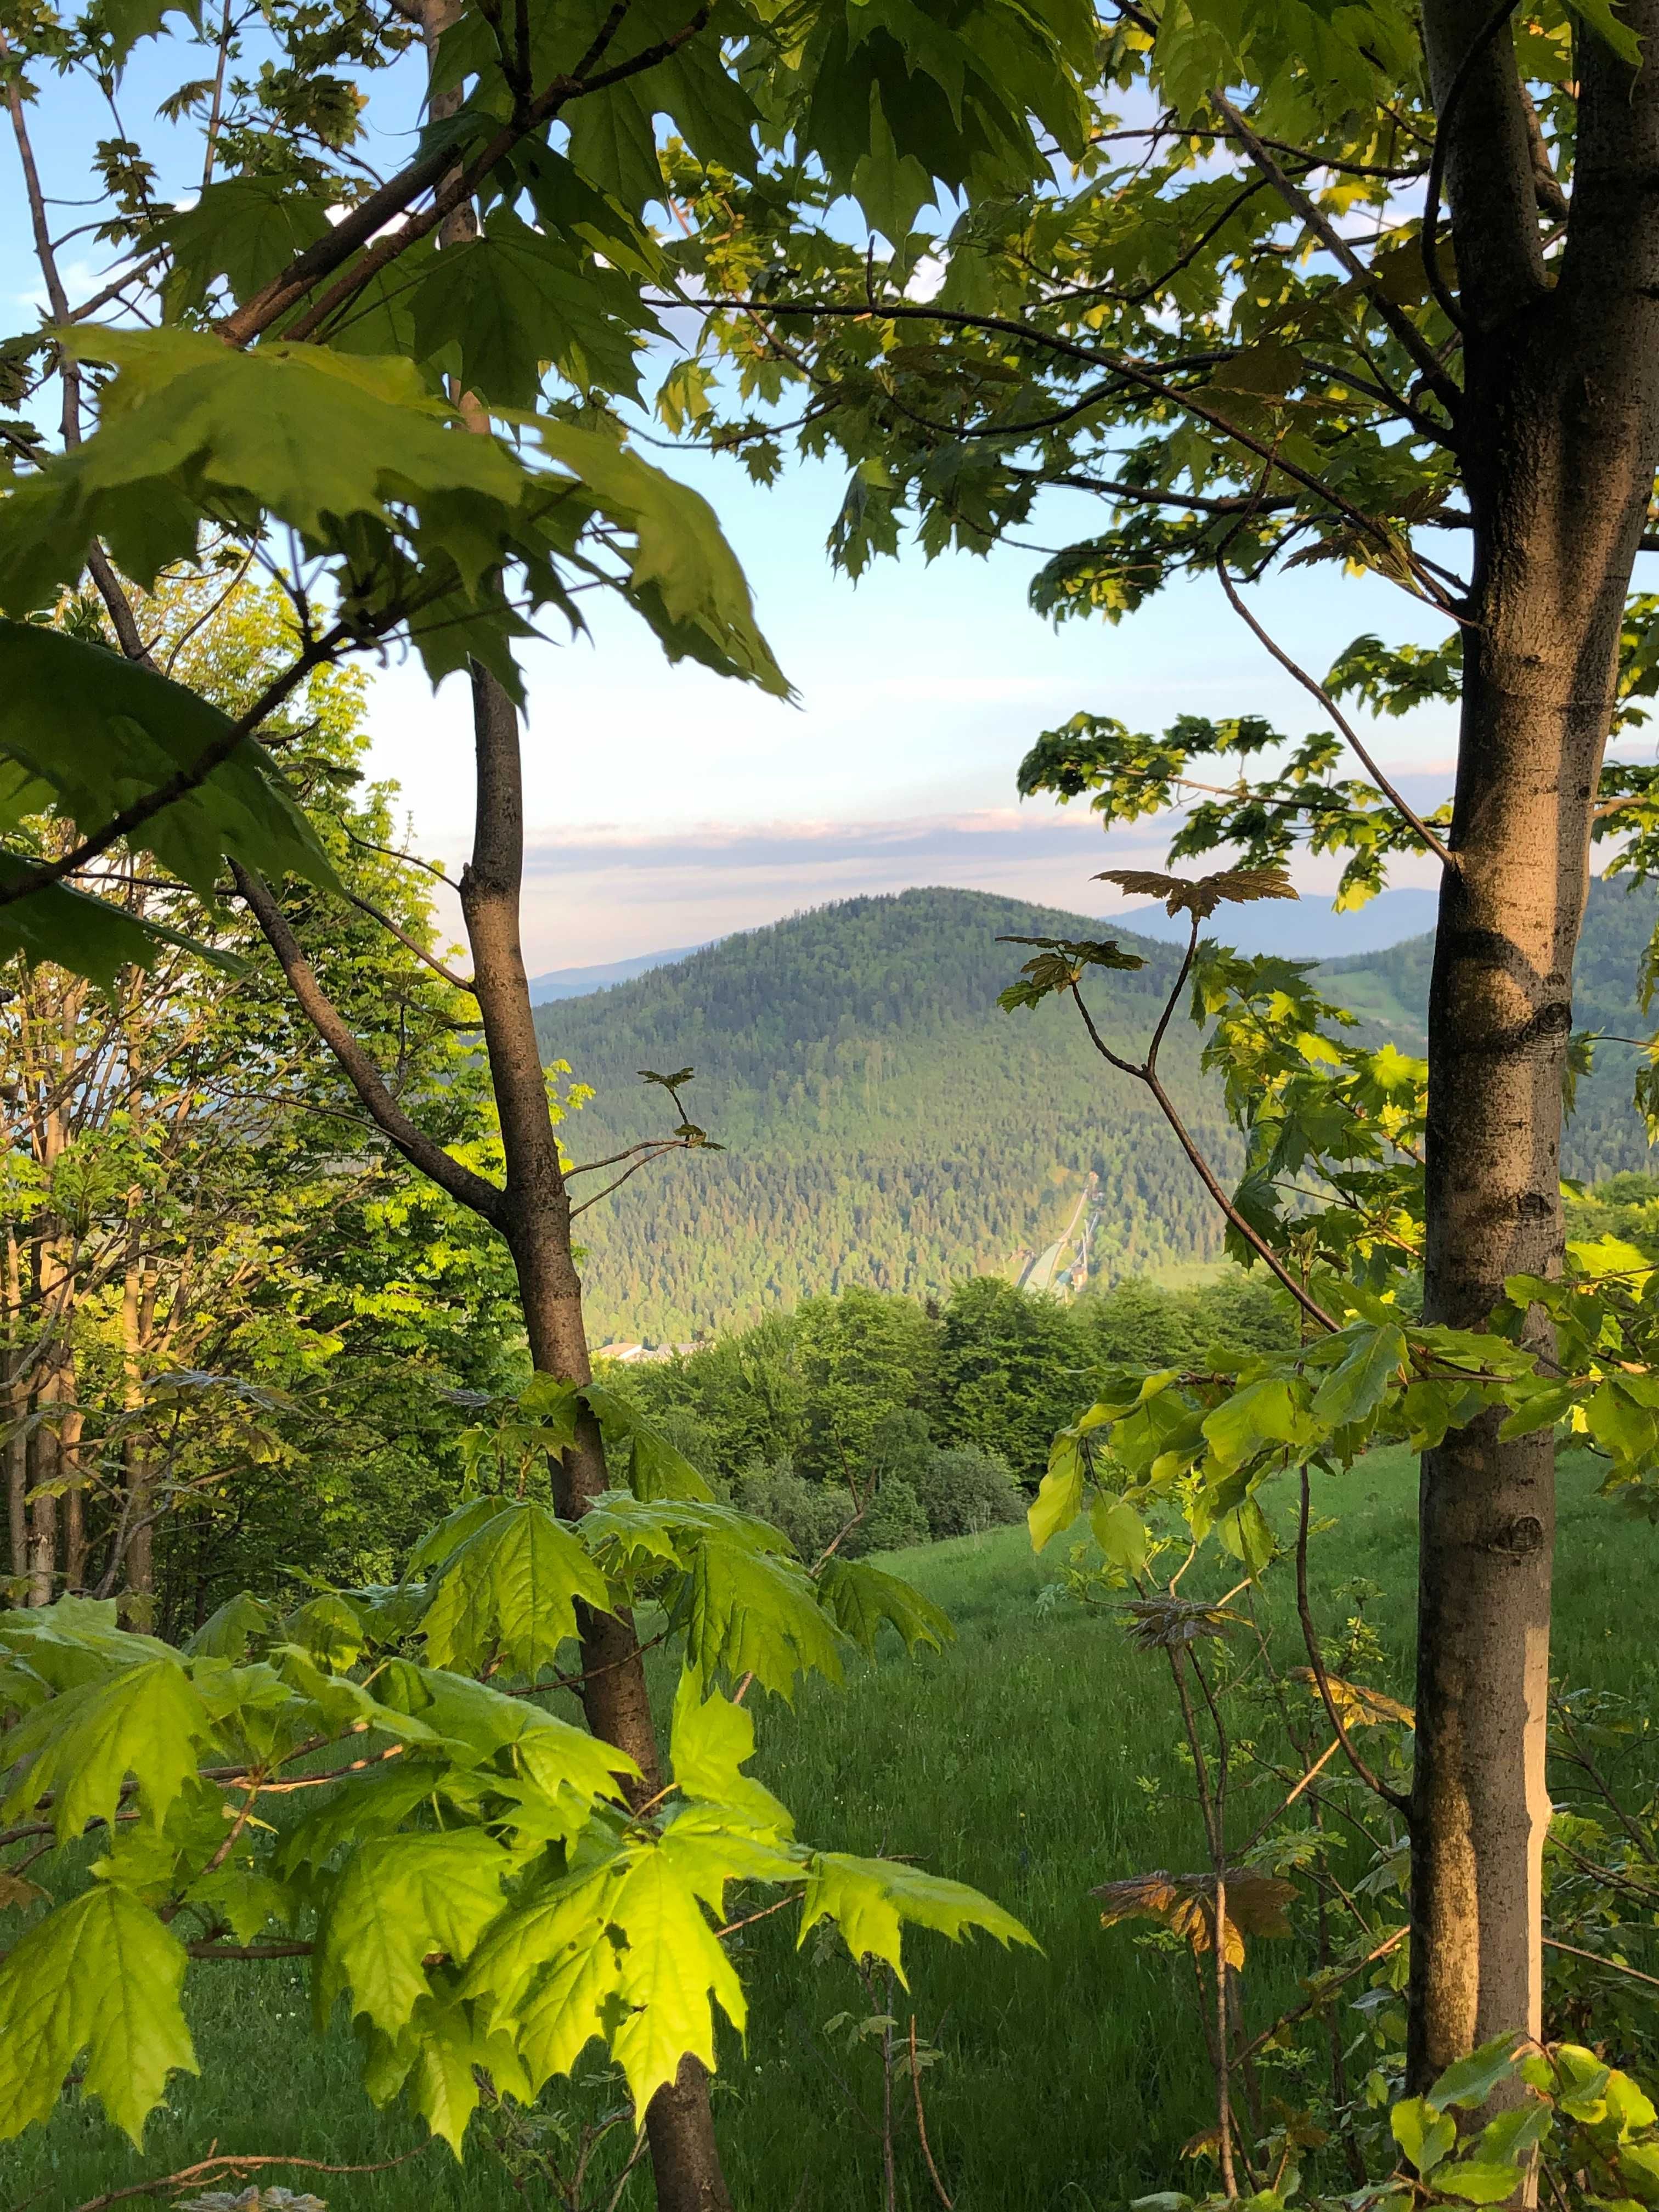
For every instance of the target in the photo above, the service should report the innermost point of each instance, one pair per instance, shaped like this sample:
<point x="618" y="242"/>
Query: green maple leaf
<point x="246" y="230"/>
<point x="85" y="934"/>
<point x="613" y="135"/>
<point x="1611" y="28"/>
<point x="310" y="437"/>
<point x="77" y="1640"/>
<point x="227" y="1632"/>
<point x="127" y="21"/>
<point x="655" y="1469"/>
<point x="511" y="1586"/>
<point x="452" y="1531"/>
<point x="101" y="1974"/>
<point x="399" y="1898"/>
<point x="327" y="1626"/>
<point x="671" y="1975"/>
<point x="870" y="1899"/>
<point x="755" y="1613"/>
<point x="100" y="731"/>
<point x="711" y="1741"/>
<point x="569" y="1768"/>
<point x="548" y="1973"/>
<point x="146" y="1721"/>
<point x="574" y="2004"/>
<point x="859" y="1597"/>
<point x="515" y="300"/>
<point x="374" y="1805"/>
<point x="438" y="2059"/>
<point x="683" y="577"/>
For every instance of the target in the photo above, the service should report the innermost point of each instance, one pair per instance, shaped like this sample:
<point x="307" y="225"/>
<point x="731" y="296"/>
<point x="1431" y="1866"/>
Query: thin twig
<point x="633" y="2157"/>
<point x="1327" y="1989"/>
<point x="1310" y="684"/>
<point x="1596" y="1958"/>
<point x="766" y="1911"/>
<point x="922" y="2121"/>
<point x="1316" y="1660"/>
<point x="457" y="982"/>
<point x="233" y="2164"/>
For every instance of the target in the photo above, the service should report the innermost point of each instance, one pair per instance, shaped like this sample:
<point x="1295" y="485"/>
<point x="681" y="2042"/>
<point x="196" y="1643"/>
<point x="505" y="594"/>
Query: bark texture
<point x="536" y="1221"/>
<point x="1558" y="437"/>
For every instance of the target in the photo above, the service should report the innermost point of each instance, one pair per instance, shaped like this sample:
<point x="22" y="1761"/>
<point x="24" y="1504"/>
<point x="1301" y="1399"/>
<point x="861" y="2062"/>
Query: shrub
<point x="964" y="1491"/>
<point x="808" y="1513"/>
<point x="895" y="1519"/>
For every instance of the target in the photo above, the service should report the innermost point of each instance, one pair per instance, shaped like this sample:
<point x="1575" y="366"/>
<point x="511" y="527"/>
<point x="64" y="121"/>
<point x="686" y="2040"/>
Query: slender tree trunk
<point x="136" y="1568"/>
<point x="17" y="1404"/>
<point x="1560" y="436"/>
<point x="69" y="1430"/>
<point x="684" y="2156"/>
<point x="43" y="1470"/>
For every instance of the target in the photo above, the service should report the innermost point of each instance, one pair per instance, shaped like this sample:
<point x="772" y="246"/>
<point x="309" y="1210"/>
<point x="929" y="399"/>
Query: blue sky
<point x="665" y="806"/>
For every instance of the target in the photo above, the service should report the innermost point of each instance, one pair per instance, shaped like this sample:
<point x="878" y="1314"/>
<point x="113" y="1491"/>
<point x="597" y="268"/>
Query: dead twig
<point x="232" y="2166"/>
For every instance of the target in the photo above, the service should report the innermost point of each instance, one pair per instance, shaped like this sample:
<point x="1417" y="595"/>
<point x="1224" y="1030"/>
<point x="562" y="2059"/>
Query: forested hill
<point x="887" y="1124"/>
<point x="1603" y="1136"/>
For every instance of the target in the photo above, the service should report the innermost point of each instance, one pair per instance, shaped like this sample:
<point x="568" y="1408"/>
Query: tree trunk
<point x="43" y="1464"/>
<point x="75" y="1503"/>
<point x="135" y="1568"/>
<point x="684" y="2156"/>
<point x="17" y="1405"/>
<point x="1559" y="436"/>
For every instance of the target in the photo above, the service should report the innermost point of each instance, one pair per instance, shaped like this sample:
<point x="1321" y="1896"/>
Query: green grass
<point x="1036" y="1758"/>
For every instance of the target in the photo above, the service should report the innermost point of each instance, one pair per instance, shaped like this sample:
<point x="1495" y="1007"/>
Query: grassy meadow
<point x="1037" y="1756"/>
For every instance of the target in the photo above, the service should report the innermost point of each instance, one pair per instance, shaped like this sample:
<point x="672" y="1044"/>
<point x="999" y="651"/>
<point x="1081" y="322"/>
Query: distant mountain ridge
<point x="577" y="982"/>
<point x="887" y="1124"/>
<point x="1306" y="928"/>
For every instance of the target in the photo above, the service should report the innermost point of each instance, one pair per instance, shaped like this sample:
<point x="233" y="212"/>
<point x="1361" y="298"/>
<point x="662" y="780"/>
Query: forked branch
<point x="1146" y="1073"/>
<point x="1351" y="736"/>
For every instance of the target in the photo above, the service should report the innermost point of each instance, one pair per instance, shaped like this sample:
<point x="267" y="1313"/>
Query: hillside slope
<point x="1603" y="1136"/>
<point x="887" y="1124"/>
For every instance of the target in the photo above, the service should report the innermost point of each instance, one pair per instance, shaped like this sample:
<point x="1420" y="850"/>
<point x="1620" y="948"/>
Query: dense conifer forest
<point x="886" y="1125"/>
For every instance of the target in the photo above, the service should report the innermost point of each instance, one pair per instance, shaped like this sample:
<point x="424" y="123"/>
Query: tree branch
<point x="1311" y="684"/>
<point x="457" y="982"/>
<point x="453" y="185"/>
<point x="211" y="756"/>
<point x="482" y="1197"/>
<point x="1398" y="321"/>
<point x="1373" y="1782"/>
<point x="1130" y="370"/>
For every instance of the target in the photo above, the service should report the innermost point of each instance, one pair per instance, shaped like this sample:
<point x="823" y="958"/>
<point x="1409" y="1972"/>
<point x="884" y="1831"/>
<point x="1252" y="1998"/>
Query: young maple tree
<point x="1373" y="287"/>
<point x="396" y="393"/>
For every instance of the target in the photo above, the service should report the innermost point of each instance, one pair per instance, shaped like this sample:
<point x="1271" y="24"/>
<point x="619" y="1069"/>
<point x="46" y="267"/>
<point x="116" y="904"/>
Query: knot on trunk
<point x="1519" y="1538"/>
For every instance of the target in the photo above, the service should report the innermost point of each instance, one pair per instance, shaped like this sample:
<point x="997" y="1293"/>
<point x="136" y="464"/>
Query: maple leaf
<point x="1254" y="1905"/>
<point x="1200" y="896"/>
<point x="101" y="1974"/>
<point x="754" y="1612"/>
<point x="711" y="1741"/>
<point x="870" y="1900"/>
<point x="399" y="1898"/>
<point x="512" y="1586"/>
<point x="1358" y="1706"/>
<point x="859" y="1597"/>
<point x="146" y="1721"/>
